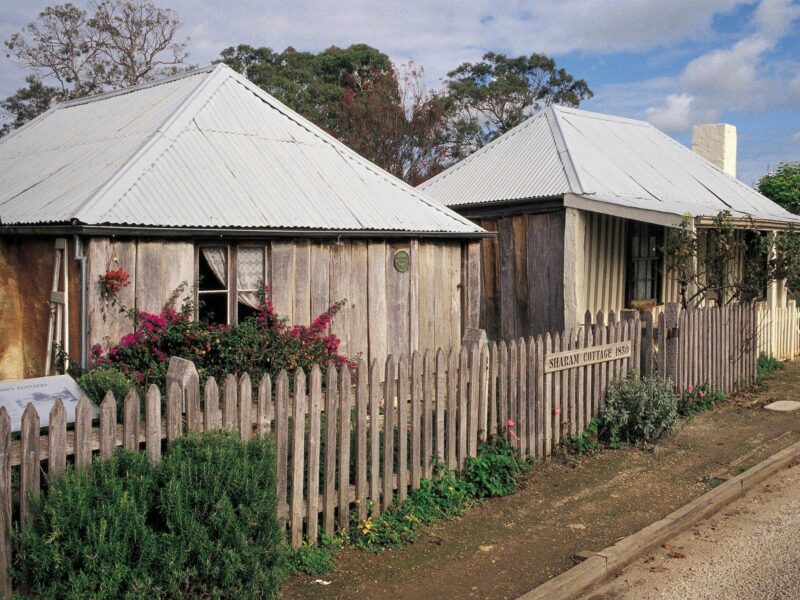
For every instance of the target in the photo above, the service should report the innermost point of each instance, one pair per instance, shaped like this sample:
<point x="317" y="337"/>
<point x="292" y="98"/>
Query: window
<point x="644" y="257"/>
<point x="228" y="282"/>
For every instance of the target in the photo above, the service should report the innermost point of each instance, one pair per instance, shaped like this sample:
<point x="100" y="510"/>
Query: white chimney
<point x="717" y="144"/>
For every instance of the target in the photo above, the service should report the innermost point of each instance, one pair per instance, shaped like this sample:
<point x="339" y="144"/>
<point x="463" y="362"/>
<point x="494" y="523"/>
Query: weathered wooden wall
<point x="522" y="275"/>
<point x="386" y="311"/>
<point x="26" y="279"/>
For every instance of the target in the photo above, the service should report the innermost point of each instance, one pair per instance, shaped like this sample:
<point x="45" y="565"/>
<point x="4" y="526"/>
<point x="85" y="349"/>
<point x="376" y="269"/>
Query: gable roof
<point x="206" y="149"/>
<point x="602" y="160"/>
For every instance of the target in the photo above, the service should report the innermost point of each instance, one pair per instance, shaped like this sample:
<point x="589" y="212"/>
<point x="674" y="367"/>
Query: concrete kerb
<point x="601" y="565"/>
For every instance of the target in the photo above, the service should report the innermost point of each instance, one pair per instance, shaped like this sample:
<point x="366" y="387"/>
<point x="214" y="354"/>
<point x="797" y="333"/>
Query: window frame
<point x="653" y="260"/>
<point x="232" y="284"/>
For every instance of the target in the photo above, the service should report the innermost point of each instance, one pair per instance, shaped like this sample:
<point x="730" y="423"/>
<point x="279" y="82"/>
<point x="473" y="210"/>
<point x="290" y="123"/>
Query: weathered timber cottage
<point x="581" y="201"/>
<point x="205" y="178"/>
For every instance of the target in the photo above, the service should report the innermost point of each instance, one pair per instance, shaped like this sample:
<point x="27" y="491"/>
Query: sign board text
<point x="580" y="357"/>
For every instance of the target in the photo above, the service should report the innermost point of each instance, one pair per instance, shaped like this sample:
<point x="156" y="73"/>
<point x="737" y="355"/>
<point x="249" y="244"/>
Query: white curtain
<point x="217" y="259"/>
<point x="249" y="275"/>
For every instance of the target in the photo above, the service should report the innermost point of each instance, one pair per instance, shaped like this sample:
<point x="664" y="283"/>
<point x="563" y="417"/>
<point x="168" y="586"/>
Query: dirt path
<point x="749" y="550"/>
<point x="505" y="547"/>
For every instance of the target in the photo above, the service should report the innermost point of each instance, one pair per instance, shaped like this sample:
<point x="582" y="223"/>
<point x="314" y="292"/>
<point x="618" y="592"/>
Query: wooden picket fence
<point x="779" y="331"/>
<point x="715" y="346"/>
<point x="350" y="445"/>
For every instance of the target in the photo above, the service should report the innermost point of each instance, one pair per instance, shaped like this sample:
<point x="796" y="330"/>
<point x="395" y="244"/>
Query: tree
<point x="783" y="186"/>
<point x="311" y="84"/>
<point x="124" y="42"/>
<point x="391" y="119"/>
<point x="30" y="101"/>
<point x="495" y="95"/>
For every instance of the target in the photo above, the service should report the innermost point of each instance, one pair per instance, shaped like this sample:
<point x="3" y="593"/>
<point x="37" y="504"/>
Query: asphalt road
<point x="750" y="550"/>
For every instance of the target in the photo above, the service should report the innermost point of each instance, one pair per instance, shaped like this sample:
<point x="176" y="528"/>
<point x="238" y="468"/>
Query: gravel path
<point x="750" y="550"/>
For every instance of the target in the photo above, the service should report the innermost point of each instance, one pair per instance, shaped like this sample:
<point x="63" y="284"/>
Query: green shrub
<point x="588" y="441"/>
<point x="96" y="383"/>
<point x="218" y="502"/>
<point x="311" y="559"/>
<point x="202" y="523"/>
<point x="495" y="471"/>
<point x="91" y="536"/>
<point x="697" y="399"/>
<point x="767" y="365"/>
<point x="638" y="410"/>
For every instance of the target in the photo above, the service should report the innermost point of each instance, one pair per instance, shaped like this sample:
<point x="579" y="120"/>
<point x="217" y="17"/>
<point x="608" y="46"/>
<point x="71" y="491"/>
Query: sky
<point x="674" y="63"/>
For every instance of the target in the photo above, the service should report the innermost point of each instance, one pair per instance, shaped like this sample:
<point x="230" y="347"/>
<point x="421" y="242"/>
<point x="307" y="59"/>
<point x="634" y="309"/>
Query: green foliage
<point x="783" y="186"/>
<point x="201" y="523"/>
<point x="96" y="383"/>
<point x="638" y="410"/>
<point x="311" y="84"/>
<point x="766" y="366"/>
<point x="588" y="441"/>
<point x="697" y="399"/>
<point x="499" y="92"/>
<point x="311" y="559"/>
<point x="443" y="497"/>
<point x="495" y="471"/>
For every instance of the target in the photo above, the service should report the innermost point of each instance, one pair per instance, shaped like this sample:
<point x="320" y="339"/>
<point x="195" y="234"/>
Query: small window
<point x="644" y="258"/>
<point x="229" y="280"/>
<point x="213" y="284"/>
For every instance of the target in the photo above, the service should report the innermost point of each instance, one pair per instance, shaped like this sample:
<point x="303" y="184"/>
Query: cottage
<point x="581" y="201"/>
<point x="207" y="179"/>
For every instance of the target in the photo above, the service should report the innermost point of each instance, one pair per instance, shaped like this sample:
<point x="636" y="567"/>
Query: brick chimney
<point x="717" y="144"/>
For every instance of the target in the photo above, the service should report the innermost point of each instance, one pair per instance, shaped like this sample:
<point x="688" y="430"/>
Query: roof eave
<point x="131" y="231"/>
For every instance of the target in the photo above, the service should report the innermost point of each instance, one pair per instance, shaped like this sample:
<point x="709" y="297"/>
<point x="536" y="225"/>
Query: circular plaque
<point x="401" y="261"/>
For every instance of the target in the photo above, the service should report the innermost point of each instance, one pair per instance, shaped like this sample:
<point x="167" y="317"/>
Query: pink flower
<point x="702" y="394"/>
<point x="557" y="411"/>
<point x="511" y="423"/>
<point x="690" y="389"/>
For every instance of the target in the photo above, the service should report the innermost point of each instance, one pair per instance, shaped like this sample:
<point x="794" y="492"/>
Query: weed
<point x="588" y="441"/>
<point x="495" y="471"/>
<point x="766" y="366"/>
<point x="697" y="399"/>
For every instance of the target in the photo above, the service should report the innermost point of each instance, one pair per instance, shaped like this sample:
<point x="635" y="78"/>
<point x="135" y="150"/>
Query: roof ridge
<point x="564" y="154"/>
<point x="147" y="147"/>
<point x="134" y="88"/>
<point x="346" y="152"/>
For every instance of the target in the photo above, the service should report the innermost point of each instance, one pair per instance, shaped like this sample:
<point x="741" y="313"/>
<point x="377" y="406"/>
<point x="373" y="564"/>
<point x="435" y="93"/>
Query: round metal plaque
<point x="401" y="261"/>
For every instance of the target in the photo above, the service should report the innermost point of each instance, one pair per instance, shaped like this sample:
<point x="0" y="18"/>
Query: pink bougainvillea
<point x="264" y="343"/>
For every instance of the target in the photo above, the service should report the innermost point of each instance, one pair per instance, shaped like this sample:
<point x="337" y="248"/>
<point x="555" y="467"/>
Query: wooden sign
<point x="570" y="359"/>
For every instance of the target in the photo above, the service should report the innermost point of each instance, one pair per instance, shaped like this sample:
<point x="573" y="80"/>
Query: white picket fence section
<point x="779" y="331"/>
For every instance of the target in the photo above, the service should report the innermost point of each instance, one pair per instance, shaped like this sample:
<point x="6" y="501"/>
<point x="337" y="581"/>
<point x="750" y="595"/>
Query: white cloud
<point x="738" y="77"/>
<point x="678" y="113"/>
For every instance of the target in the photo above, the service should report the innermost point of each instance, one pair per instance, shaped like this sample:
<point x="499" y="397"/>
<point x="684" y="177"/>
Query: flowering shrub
<point x="263" y="343"/>
<point x="112" y="281"/>
<point x="697" y="399"/>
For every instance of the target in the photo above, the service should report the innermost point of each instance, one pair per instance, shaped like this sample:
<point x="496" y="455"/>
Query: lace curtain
<point x="249" y="271"/>
<point x="249" y="275"/>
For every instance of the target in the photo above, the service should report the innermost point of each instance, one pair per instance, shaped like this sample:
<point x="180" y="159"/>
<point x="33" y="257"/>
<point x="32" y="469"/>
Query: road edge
<point x="601" y="565"/>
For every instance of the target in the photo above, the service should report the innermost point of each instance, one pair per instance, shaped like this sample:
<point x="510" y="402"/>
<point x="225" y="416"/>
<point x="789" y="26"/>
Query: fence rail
<point x="341" y="437"/>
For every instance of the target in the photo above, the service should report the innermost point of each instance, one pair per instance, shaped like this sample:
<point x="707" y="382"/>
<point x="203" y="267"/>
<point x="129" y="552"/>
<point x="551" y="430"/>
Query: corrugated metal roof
<point x="565" y="150"/>
<point x="208" y="149"/>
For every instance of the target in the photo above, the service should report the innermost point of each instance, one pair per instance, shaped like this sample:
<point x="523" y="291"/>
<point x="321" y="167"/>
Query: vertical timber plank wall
<point x="26" y="279"/>
<point x="387" y="312"/>
<point x="522" y="275"/>
<point x="604" y="263"/>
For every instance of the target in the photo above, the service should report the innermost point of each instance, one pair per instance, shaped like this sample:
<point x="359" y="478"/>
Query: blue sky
<point x="671" y="62"/>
